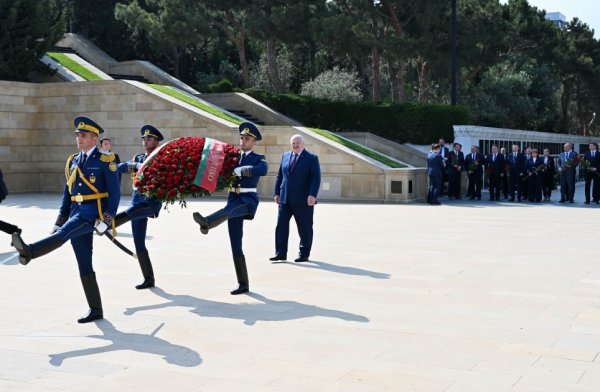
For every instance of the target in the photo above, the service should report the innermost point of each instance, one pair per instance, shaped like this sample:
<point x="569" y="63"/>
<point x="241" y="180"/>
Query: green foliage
<point x="357" y="147"/>
<point x="73" y="66"/>
<point x="28" y="28"/>
<point x="195" y="102"/>
<point x="334" y="85"/>
<point x="224" y="86"/>
<point x="402" y="122"/>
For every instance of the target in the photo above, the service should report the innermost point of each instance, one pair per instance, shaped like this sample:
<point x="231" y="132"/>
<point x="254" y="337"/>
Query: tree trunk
<point x="423" y="68"/>
<point x="376" y="75"/>
<point x="401" y="80"/>
<point x="394" y="81"/>
<point x="564" y="105"/>
<point x="272" y="65"/>
<point x="364" y="79"/>
<point x="239" y="42"/>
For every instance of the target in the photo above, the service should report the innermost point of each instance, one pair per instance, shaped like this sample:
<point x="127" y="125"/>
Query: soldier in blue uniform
<point x="141" y="208"/>
<point x="241" y="203"/>
<point x="90" y="200"/>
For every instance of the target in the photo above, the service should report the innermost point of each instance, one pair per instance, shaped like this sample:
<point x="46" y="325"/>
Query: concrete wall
<point x="397" y="151"/>
<point x="36" y="136"/>
<point x="240" y="101"/>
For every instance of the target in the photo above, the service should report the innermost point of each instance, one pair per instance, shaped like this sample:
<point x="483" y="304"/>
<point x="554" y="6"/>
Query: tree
<point x="334" y="85"/>
<point x="173" y="27"/>
<point x="28" y="29"/>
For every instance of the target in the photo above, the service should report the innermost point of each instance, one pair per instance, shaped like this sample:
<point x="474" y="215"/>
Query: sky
<point x="585" y="10"/>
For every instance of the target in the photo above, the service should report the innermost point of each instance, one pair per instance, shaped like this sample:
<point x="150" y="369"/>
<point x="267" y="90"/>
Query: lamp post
<point x="453" y="55"/>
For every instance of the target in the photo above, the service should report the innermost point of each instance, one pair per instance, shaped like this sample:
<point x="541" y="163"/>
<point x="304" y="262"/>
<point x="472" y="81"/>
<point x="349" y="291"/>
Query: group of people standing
<point x="92" y="193"/>
<point x="516" y="175"/>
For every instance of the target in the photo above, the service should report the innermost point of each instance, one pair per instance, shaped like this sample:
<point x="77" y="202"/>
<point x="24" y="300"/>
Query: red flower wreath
<point x="169" y="173"/>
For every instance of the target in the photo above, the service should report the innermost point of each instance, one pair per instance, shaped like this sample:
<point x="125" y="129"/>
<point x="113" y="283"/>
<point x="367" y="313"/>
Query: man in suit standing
<point x="90" y="200"/>
<point x="495" y="168"/>
<point x="456" y="161"/>
<point x="549" y="174"/>
<point x="525" y="178"/>
<point x="296" y="187"/>
<point x="435" y="168"/>
<point x="444" y="151"/>
<point x="505" y="178"/>
<point x="591" y="174"/>
<point x="141" y="208"/>
<point x="242" y="202"/>
<point x="517" y="170"/>
<point x="567" y="163"/>
<point x="474" y="166"/>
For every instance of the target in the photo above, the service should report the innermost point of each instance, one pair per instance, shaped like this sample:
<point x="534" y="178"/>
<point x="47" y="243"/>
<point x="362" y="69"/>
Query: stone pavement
<point x="462" y="297"/>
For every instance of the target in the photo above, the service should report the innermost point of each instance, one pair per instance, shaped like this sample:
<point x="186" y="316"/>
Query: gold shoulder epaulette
<point x="107" y="157"/>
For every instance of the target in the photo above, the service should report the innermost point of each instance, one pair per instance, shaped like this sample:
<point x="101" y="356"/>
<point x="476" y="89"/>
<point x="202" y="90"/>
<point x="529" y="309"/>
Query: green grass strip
<point x="73" y="66"/>
<point x="194" y="102"/>
<point x="357" y="147"/>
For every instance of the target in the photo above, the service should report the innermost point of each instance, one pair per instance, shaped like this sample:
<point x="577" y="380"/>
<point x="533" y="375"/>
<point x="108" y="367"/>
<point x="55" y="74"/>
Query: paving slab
<point x="466" y="296"/>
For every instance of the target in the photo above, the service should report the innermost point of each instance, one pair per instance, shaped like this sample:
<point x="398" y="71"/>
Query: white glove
<point x="54" y="229"/>
<point x="239" y="170"/>
<point x="134" y="166"/>
<point x="101" y="227"/>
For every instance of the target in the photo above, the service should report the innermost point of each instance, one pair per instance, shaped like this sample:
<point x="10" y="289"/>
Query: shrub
<point x="334" y="85"/>
<point x="224" y="86"/>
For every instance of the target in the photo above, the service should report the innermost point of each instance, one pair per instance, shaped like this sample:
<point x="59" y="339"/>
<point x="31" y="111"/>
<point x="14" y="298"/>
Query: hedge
<point x="410" y="122"/>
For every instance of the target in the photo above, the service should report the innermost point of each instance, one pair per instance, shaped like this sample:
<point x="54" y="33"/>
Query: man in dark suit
<point x="495" y="169"/>
<point x="141" y="207"/>
<point x="567" y="164"/>
<point x="444" y="151"/>
<point x="90" y="200"/>
<point x="296" y="187"/>
<point x="517" y="170"/>
<point x="525" y="178"/>
<point x="592" y="159"/>
<point x="435" y="168"/>
<point x="242" y="202"/>
<point x="505" y="186"/>
<point x="456" y="161"/>
<point x="548" y="176"/>
<point x="474" y="167"/>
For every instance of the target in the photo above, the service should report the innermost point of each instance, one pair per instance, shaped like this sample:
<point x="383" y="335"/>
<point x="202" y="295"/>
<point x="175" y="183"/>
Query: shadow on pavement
<point x="250" y="313"/>
<point x="337" y="268"/>
<point x="171" y="353"/>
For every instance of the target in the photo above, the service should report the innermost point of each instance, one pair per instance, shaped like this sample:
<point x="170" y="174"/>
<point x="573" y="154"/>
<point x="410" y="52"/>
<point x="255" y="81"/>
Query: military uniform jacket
<point x="97" y="176"/>
<point x="138" y="198"/>
<point x="257" y="167"/>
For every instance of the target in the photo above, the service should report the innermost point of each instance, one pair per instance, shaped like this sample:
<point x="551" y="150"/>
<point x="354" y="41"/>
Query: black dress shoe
<point x="242" y="288"/>
<point x="278" y="258"/>
<point x="511" y="199"/>
<point x="561" y="201"/>
<point x="437" y="203"/>
<point x="93" y="314"/>
<point x="586" y="202"/>
<point x="571" y="201"/>
<point x="301" y="259"/>
<point x="146" y="284"/>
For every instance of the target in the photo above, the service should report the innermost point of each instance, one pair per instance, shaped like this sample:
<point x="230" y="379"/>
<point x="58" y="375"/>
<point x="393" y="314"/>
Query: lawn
<point x="73" y="66"/>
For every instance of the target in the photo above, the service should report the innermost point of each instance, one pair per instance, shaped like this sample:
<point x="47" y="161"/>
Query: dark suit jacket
<point x="517" y="166"/>
<point x="295" y="187"/>
<point x="551" y="169"/>
<point x="460" y="158"/>
<point x="469" y="161"/>
<point x="532" y="164"/>
<point x="435" y="165"/>
<point x="496" y="166"/>
<point x="594" y="162"/>
<point x="565" y="157"/>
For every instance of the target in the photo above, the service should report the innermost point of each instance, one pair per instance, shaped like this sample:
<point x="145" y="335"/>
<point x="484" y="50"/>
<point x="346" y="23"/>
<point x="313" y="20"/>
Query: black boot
<point x="242" y="275"/>
<point x="210" y="221"/>
<point x="92" y="294"/>
<point x="147" y="271"/>
<point x="37" y="249"/>
<point x="121" y="218"/>
<point x="8" y="228"/>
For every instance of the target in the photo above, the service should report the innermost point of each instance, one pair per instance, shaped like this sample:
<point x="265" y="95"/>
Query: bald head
<point x="297" y="143"/>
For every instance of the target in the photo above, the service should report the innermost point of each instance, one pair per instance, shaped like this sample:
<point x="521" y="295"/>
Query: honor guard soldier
<point x="241" y="202"/>
<point x="141" y="208"/>
<point x="90" y="200"/>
